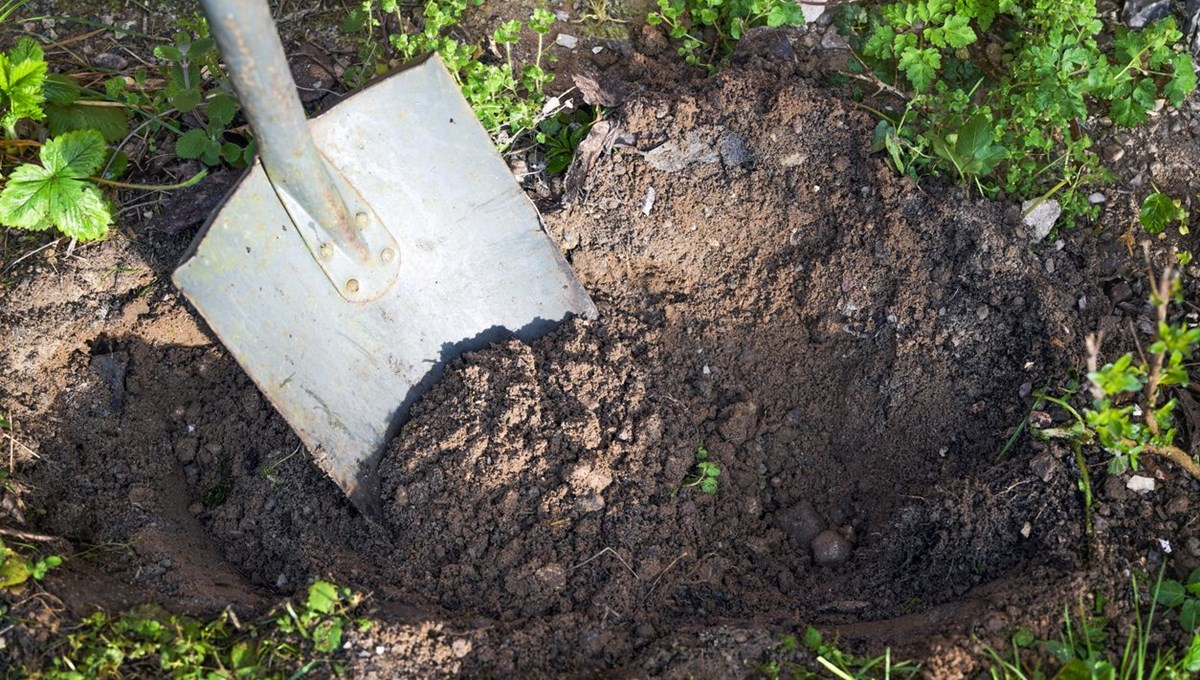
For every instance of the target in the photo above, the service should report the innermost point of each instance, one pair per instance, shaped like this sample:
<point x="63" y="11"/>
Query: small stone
<point x="983" y="312"/>
<point x="1114" y="488"/>
<point x="379" y="650"/>
<point x="1177" y="505"/>
<point x="1140" y="484"/>
<point x="591" y="503"/>
<point x="109" y="60"/>
<point x="1042" y="217"/>
<point x="1113" y="153"/>
<point x="460" y="647"/>
<point x="567" y="41"/>
<point x="802" y="522"/>
<point x="552" y="576"/>
<point x="831" y="549"/>
<point x="1096" y="198"/>
<point x="570" y="241"/>
<point x="1044" y="466"/>
<point x="1025" y="390"/>
<point x="1120" y="293"/>
<point x="1026" y="530"/>
<point x="185" y="449"/>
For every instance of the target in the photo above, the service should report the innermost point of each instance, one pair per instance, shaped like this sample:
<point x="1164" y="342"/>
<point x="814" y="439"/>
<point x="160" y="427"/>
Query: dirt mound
<point x="850" y="350"/>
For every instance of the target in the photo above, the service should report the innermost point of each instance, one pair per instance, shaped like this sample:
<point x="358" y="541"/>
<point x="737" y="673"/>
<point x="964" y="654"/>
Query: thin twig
<point x="615" y="554"/>
<point x="664" y="572"/>
<point x="29" y="535"/>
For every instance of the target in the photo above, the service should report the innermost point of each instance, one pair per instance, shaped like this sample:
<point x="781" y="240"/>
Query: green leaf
<point x="60" y="89"/>
<point x="1169" y="593"/>
<point x="327" y="636"/>
<point x="1159" y="210"/>
<point x="708" y="485"/>
<point x="322" y="597"/>
<point x="22" y="77"/>
<point x="57" y="193"/>
<point x="1189" y="615"/>
<point x="14" y="570"/>
<point x="193" y="143"/>
<point x="1183" y="79"/>
<point x="786" y="13"/>
<point x="109" y="121"/>
<point x="221" y="109"/>
<point x="920" y="66"/>
<point x="975" y="144"/>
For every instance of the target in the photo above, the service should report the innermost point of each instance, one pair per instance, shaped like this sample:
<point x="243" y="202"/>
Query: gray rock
<point x="1120" y="293"/>
<point x="734" y="151"/>
<point x="1139" y="13"/>
<point x="831" y="549"/>
<point x="676" y="156"/>
<point x="1113" y="153"/>
<point x="1042" y="217"/>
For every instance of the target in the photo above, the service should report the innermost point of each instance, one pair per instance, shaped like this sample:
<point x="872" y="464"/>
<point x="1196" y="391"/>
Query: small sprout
<point x="1160" y="211"/>
<point x="703" y="475"/>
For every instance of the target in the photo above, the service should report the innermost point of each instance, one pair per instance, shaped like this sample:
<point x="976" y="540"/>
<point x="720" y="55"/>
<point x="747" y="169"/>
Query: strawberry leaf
<point x="58" y="193"/>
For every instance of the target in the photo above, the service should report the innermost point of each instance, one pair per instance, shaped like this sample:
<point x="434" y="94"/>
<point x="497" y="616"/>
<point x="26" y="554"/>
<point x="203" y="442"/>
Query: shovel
<point x="364" y="249"/>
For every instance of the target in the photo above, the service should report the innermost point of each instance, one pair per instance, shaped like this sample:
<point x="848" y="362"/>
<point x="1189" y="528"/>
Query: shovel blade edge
<point x="476" y="267"/>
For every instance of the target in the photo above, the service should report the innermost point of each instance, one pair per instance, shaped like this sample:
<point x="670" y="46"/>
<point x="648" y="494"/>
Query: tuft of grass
<point x="1089" y="648"/>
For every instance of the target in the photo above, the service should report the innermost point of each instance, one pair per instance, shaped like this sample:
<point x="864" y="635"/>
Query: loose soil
<point x="851" y="350"/>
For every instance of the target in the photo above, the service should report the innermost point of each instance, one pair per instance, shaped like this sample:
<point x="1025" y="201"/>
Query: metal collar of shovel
<point x="364" y="250"/>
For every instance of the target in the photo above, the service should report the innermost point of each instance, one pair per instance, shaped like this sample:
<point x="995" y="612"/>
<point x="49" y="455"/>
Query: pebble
<point x="1113" y="153"/>
<point x="591" y="503"/>
<point x="567" y="41"/>
<point x="1140" y="484"/>
<point x="802" y="522"/>
<point x="1114" y="488"/>
<point x="983" y="312"/>
<point x="831" y="549"/>
<point x="1120" y="293"/>
<point x="1096" y="198"/>
<point x="1042" y="218"/>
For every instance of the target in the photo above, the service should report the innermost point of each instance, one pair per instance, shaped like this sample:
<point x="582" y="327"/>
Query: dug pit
<point x="851" y="351"/>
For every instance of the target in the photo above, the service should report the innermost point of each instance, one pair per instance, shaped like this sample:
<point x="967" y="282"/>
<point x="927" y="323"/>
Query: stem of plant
<point x="1085" y="483"/>
<point x="152" y="187"/>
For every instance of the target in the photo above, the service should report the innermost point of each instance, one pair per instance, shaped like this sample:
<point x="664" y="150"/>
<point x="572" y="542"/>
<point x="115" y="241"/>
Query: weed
<point x="1128" y="416"/>
<point x="1086" y="648"/>
<point x="994" y="91"/>
<point x="561" y="135"/>
<point x="1160" y="210"/>
<point x="1171" y="594"/>
<point x="509" y="99"/>
<point x="17" y="568"/>
<point x="297" y="639"/>
<point x="703" y="475"/>
<point x="819" y="658"/>
<point x="709" y="29"/>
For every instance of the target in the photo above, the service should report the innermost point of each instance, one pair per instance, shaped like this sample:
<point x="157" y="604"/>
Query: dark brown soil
<point x="853" y="352"/>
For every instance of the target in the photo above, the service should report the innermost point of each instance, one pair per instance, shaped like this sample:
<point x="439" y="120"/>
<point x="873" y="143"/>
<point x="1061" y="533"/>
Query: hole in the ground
<point x="849" y="352"/>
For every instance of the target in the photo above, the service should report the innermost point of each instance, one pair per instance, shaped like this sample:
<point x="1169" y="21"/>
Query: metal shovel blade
<point x="475" y="267"/>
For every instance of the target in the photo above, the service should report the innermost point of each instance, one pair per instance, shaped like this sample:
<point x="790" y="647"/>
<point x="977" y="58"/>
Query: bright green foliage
<point x="67" y="110"/>
<point x="507" y="97"/>
<point x="57" y="193"/>
<point x="17" y="568"/>
<point x="703" y="475"/>
<point x="1018" y="76"/>
<point x="1160" y="210"/>
<point x="148" y="642"/>
<point x="22" y="74"/>
<point x="709" y="29"/>
<point x="1126" y="395"/>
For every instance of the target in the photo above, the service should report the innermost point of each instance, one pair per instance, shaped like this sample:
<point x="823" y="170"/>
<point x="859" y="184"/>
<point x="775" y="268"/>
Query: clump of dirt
<point x="851" y="351"/>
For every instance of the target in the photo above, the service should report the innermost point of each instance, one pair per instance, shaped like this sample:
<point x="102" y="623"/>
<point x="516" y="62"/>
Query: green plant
<point x="561" y="135"/>
<point x="703" y="475"/>
<point x="17" y="568"/>
<point x="1160" y="210"/>
<point x="1128" y="416"/>
<point x="1087" y="649"/>
<point x="819" y="658"/>
<point x="1171" y="594"/>
<point x="709" y="29"/>
<point x="994" y="92"/>
<point x="296" y="640"/>
<point x="186" y="92"/>
<point x="508" y="98"/>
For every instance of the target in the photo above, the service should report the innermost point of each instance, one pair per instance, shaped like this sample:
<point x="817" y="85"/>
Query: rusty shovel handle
<point x="254" y="57"/>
